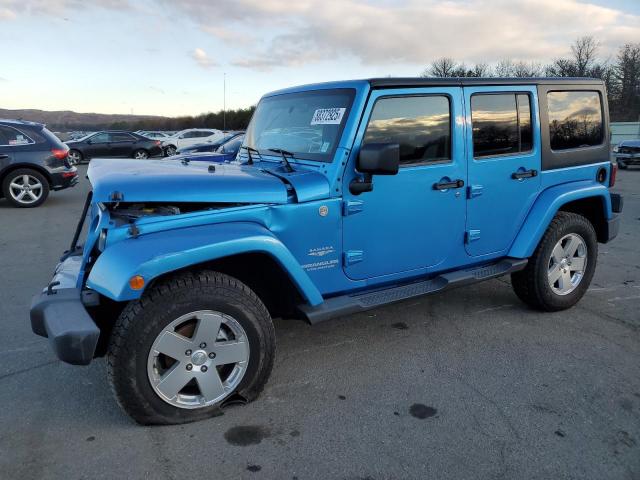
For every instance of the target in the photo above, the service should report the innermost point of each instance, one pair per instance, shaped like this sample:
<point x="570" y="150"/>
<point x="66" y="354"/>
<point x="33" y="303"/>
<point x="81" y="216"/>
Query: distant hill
<point x="68" y="120"/>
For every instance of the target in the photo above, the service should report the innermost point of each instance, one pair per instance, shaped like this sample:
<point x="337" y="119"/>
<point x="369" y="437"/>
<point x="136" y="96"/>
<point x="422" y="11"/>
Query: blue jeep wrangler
<point x="345" y="196"/>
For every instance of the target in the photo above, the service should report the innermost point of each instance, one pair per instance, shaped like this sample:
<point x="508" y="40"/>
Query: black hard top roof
<point x="471" y="81"/>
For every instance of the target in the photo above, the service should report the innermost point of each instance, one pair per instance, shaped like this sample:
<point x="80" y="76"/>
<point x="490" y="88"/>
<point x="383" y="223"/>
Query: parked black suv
<point x="112" y="143"/>
<point x="33" y="161"/>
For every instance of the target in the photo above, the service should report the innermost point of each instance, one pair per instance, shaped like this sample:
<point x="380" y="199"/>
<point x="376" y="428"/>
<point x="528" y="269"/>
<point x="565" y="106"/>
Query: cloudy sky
<point x="168" y="57"/>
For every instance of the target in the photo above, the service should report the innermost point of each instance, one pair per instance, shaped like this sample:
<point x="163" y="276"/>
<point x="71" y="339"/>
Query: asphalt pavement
<point x="468" y="384"/>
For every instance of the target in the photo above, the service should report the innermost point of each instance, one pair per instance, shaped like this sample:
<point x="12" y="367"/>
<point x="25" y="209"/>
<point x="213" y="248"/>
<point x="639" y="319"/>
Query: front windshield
<point x="307" y="124"/>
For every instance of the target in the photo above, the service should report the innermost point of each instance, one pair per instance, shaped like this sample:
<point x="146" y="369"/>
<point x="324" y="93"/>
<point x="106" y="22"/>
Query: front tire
<point x="75" y="157"/>
<point x="141" y="154"/>
<point x="170" y="150"/>
<point x="560" y="270"/>
<point x="25" y="188"/>
<point x="190" y="344"/>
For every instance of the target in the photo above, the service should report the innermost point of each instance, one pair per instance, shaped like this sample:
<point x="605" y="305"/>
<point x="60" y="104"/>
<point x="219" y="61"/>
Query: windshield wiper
<point x="284" y="154"/>
<point x="249" y="150"/>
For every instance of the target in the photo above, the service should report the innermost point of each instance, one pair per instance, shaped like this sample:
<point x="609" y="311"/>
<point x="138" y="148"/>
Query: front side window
<point x="307" y="124"/>
<point x="13" y="137"/>
<point x="501" y="124"/>
<point x="421" y="125"/>
<point x="575" y="119"/>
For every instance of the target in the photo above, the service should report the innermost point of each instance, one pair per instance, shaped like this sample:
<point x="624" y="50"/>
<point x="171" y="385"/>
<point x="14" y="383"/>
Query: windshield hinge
<point x="350" y="207"/>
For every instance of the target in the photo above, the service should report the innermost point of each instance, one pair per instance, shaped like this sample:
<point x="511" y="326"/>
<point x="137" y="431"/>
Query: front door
<point x="99" y="146"/>
<point x="414" y="220"/>
<point x="503" y="148"/>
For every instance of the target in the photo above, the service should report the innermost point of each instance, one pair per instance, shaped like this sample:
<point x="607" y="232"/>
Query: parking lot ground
<point x="468" y="384"/>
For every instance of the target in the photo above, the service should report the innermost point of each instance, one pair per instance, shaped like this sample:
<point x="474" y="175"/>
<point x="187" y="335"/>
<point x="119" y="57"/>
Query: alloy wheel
<point x="25" y="189"/>
<point x="567" y="264"/>
<point x="141" y="155"/>
<point x="198" y="359"/>
<point x="74" y="157"/>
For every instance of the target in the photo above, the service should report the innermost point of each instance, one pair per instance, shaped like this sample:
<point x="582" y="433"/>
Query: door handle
<point x="524" y="174"/>
<point x="447" y="185"/>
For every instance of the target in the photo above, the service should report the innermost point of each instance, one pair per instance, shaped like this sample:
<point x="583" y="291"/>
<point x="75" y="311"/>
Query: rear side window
<point x="121" y="137"/>
<point x="501" y="124"/>
<point x="13" y="137"/>
<point x="575" y="119"/>
<point x="421" y="125"/>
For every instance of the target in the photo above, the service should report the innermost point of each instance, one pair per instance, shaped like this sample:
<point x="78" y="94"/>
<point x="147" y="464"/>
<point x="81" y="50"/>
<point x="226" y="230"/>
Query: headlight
<point x="615" y="149"/>
<point x="102" y="240"/>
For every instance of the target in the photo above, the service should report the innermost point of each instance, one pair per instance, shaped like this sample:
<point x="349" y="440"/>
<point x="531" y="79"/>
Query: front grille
<point x="629" y="150"/>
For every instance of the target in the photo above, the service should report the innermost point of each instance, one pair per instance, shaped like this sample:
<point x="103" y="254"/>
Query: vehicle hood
<point x="629" y="143"/>
<point x="129" y="180"/>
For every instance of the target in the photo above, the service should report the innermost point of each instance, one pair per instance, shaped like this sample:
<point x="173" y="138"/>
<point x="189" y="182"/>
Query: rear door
<point x="412" y="221"/>
<point x="7" y="147"/>
<point x="122" y="145"/>
<point x="503" y="154"/>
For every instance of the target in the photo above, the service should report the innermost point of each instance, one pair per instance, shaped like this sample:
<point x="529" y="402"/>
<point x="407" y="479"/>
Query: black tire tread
<point x="525" y="283"/>
<point x="126" y="325"/>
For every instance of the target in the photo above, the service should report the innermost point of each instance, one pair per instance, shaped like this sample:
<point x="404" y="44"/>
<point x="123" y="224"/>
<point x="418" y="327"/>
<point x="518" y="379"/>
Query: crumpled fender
<point x="155" y="254"/>
<point x="545" y="208"/>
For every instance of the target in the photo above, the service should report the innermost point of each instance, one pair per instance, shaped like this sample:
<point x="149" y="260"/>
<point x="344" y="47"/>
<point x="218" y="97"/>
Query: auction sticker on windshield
<point x="327" y="116"/>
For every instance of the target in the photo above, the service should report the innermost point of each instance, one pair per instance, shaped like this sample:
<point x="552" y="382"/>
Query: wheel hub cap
<point x="198" y="359"/>
<point x="567" y="264"/>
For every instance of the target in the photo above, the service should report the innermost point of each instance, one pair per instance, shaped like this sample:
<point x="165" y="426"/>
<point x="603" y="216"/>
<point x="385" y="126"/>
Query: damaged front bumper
<point x="59" y="313"/>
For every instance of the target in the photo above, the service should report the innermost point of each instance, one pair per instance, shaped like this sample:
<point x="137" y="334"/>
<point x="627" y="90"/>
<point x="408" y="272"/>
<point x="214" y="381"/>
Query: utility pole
<point x="224" y="102"/>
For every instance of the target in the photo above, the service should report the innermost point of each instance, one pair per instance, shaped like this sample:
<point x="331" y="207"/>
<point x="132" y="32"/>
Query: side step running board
<point x="361" y="301"/>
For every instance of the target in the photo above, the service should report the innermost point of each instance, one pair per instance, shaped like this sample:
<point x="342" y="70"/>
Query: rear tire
<point x="170" y="150"/>
<point x="552" y="280"/>
<point x="135" y="357"/>
<point x="25" y="188"/>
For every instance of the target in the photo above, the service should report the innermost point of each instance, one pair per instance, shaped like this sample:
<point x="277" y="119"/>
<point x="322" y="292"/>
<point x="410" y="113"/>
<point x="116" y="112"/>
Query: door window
<point x="12" y="137"/>
<point x="575" y="119"/>
<point x="501" y="124"/>
<point x="421" y="125"/>
<point x="100" y="138"/>
<point x="121" y="137"/>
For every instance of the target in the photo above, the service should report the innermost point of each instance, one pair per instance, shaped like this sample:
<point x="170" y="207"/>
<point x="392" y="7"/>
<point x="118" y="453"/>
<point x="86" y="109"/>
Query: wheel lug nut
<point x="212" y="355"/>
<point x="203" y="345"/>
<point x="189" y="366"/>
<point x="187" y="353"/>
<point x="203" y="368"/>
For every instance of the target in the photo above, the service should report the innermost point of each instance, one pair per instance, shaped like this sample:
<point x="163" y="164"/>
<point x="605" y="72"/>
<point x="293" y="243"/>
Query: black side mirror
<point x="379" y="158"/>
<point x="375" y="159"/>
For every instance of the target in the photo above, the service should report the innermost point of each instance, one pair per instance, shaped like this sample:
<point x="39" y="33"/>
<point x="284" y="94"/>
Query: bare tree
<point x="627" y="79"/>
<point x="442" y="67"/>
<point x="447" y="67"/>
<point x="520" y="69"/>
<point x="585" y="50"/>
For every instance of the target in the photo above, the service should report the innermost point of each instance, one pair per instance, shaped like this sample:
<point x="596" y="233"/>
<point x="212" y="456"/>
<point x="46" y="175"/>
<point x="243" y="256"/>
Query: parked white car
<point x="191" y="136"/>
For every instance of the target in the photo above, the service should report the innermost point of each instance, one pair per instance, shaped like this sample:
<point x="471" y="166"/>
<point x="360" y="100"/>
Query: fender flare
<point x="545" y="208"/>
<point x="158" y="253"/>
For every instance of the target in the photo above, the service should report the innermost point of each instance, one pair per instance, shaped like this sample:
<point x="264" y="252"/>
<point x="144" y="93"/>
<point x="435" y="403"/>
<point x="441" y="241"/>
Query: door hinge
<point x="474" y="191"/>
<point x="350" y="207"/>
<point x="353" y="256"/>
<point x="472" y="235"/>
